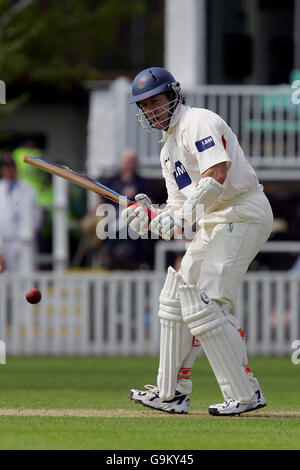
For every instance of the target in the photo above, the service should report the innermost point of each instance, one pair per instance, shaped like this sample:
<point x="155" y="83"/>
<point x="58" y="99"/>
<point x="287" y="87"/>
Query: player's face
<point x="156" y="110"/>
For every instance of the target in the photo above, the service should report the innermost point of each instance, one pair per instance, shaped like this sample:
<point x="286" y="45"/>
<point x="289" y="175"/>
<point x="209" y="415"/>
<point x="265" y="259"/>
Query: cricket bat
<point x="81" y="179"/>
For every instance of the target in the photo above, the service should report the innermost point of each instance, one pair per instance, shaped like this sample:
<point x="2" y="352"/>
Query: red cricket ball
<point x="33" y="296"/>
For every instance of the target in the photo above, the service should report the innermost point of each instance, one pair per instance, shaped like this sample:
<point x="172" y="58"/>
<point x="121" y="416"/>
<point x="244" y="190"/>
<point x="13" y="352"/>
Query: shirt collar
<point x="177" y="115"/>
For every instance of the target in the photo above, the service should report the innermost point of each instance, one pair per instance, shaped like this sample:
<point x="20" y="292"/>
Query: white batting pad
<point x="222" y="343"/>
<point x="176" y="340"/>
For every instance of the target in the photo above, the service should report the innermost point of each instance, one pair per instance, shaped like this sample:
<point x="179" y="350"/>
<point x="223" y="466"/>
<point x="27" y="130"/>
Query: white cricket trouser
<point x="221" y="251"/>
<point x="218" y="257"/>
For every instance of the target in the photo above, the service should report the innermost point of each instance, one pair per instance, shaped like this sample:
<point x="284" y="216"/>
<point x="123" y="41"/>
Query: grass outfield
<point x="82" y="403"/>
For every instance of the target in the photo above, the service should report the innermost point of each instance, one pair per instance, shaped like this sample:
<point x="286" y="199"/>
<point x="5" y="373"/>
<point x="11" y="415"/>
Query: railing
<point x="102" y="314"/>
<point x="268" y="307"/>
<point x="264" y="118"/>
<point x="116" y="313"/>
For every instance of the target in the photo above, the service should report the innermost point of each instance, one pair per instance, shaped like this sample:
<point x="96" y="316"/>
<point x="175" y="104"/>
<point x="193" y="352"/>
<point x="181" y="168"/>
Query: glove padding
<point x="166" y="224"/>
<point x="144" y="200"/>
<point x="136" y="218"/>
<point x="136" y="215"/>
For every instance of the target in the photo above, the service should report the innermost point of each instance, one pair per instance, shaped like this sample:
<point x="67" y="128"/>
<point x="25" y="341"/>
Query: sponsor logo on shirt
<point x="181" y="176"/>
<point x="205" y="144"/>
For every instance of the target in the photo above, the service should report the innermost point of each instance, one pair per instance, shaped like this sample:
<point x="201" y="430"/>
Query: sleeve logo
<point x="205" y="144"/>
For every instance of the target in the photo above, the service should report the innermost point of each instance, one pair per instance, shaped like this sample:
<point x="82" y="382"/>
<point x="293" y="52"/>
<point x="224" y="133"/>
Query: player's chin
<point x="157" y="124"/>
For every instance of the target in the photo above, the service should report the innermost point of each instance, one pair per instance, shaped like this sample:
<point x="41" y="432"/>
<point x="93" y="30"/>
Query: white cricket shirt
<point x="197" y="140"/>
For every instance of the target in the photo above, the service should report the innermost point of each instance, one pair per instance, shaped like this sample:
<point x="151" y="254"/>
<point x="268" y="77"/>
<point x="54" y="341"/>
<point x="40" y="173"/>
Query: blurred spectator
<point x="40" y="181"/>
<point x="127" y="180"/>
<point x="132" y="252"/>
<point x="17" y="201"/>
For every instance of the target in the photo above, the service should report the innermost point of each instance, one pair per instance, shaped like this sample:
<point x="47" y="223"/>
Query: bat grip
<point x="151" y="214"/>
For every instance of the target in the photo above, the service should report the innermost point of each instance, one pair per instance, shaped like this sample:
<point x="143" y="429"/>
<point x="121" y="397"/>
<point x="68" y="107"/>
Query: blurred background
<point x="67" y="67"/>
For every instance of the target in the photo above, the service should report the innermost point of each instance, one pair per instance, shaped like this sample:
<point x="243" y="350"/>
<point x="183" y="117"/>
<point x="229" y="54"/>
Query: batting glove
<point x="136" y="218"/>
<point x="143" y="200"/>
<point x="136" y="215"/>
<point x="166" y="224"/>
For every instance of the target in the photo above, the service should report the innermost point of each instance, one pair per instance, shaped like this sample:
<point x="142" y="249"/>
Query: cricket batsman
<point x="203" y="166"/>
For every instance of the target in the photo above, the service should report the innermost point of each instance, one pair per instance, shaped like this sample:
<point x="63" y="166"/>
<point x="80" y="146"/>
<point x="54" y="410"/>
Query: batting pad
<point x="222" y="343"/>
<point x="175" y="338"/>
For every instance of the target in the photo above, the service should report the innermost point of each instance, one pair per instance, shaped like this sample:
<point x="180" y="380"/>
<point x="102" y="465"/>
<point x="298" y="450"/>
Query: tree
<point x="56" y="45"/>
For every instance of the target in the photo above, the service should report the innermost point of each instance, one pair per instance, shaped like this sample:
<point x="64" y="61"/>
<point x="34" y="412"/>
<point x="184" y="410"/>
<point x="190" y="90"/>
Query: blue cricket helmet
<point x="150" y="82"/>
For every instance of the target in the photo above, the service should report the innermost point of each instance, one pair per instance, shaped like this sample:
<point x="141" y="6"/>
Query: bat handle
<point x="151" y="214"/>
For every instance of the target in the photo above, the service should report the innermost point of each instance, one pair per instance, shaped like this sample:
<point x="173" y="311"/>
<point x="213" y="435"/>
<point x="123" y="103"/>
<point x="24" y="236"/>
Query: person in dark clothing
<point x="128" y="253"/>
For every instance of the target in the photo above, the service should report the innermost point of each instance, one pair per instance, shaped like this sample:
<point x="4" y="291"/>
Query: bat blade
<point x="84" y="181"/>
<point x="78" y="178"/>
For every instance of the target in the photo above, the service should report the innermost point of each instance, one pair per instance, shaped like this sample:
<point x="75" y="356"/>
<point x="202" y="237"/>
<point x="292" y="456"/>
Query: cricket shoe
<point x="150" y="397"/>
<point x="234" y="407"/>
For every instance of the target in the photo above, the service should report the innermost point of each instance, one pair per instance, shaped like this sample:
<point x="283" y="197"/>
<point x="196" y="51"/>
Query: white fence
<point x="116" y="313"/>
<point x="103" y="314"/>
<point x="264" y="118"/>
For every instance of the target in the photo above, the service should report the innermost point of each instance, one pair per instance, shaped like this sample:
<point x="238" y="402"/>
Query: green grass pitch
<point x="82" y="404"/>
